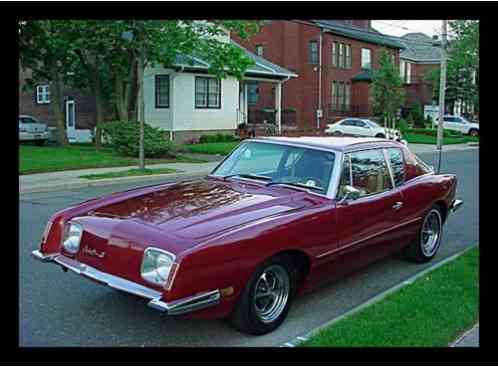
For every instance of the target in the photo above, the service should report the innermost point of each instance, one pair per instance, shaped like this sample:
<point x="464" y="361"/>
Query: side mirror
<point x="350" y="193"/>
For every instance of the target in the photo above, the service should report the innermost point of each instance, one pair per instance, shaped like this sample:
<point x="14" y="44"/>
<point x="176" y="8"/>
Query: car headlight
<point x="72" y="237"/>
<point x="156" y="266"/>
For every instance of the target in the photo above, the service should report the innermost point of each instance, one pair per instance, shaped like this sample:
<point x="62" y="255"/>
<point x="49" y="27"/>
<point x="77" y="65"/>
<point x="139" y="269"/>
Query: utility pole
<point x="442" y="90"/>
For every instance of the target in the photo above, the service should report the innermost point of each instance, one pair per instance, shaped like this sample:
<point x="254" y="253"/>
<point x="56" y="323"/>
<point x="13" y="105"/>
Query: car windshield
<point x="279" y="164"/>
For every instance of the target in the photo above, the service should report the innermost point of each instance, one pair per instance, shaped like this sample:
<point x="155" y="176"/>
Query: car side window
<point x="370" y="172"/>
<point x="347" y="123"/>
<point x="345" y="176"/>
<point x="395" y="157"/>
<point x="359" y="123"/>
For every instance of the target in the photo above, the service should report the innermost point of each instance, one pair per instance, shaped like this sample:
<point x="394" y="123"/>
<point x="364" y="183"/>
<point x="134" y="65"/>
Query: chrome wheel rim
<point x="271" y="293"/>
<point x="431" y="233"/>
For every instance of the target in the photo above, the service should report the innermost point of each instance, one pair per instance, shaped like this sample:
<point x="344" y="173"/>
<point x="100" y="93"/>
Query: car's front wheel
<point x="474" y="132"/>
<point x="40" y="142"/>
<point x="267" y="297"/>
<point x="424" y="248"/>
<point x="380" y="135"/>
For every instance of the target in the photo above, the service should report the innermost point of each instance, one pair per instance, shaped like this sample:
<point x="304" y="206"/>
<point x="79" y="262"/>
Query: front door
<point x="71" y="120"/>
<point x="365" y="225"/>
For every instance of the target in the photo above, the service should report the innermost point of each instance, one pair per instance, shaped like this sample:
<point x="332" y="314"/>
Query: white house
<point x="188" y="102"/>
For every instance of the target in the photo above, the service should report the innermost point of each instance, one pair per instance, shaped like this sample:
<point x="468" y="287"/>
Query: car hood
<point x="200" y="209"/>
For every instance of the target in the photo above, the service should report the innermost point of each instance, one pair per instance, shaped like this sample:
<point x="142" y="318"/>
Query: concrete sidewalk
<point x="54" y="181"/>
<point x="468" y="339"/>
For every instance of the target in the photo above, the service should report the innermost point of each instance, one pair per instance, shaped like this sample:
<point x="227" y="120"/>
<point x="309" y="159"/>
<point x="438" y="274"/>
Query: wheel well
<point x="302" y="262"/>
<point x="380" y="135"/>
<point x="473" y="129"/>
<point x="444" y="210"/>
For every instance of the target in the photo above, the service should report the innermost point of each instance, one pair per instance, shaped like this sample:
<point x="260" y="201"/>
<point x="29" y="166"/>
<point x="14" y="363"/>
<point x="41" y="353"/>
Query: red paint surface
<point x="220" y="231"/>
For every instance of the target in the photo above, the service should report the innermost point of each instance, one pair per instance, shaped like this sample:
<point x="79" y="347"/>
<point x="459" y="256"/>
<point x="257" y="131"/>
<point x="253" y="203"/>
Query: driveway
<point x="63" y="309"/>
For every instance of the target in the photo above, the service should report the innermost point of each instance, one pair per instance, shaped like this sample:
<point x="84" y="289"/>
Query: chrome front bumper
<point x="177" y="307"/>
<point x="456" y="204"/>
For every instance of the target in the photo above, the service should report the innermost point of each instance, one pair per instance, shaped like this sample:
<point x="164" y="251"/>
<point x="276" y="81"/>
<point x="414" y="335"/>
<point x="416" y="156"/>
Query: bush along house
<point x="78" y="108"/>
<point x="334" y="59"/>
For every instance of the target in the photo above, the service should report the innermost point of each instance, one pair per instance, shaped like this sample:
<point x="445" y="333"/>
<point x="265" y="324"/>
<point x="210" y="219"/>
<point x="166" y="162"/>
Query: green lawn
<point x="34" y="159"/>
<point x="130" y="172"/>
<point x="212" y="148"/>
<point x="431" y="312"/>
<point x="426" y="139"/>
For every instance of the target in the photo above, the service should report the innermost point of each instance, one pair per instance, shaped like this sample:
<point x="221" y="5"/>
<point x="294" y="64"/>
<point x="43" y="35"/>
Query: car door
<point x="347" y="127"/>
<point x="362" y="129"/>
<point x="365" y="226"/>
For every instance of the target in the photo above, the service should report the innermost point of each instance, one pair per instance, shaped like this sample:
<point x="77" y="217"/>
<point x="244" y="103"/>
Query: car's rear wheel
<point x="336" y="133"/>
<point x="425" y="247"/>
<point x="474" y="132"/>
<point x="379" y="135"/>
<point x="40" y="142"/>
<point x="266" y="299"/>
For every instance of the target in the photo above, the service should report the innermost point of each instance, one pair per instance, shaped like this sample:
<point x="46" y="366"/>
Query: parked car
<point x="30" y="129"/>
<point x="361" y="127"/>
<point x="274" y="219"/>
<point x="461" y="124"/>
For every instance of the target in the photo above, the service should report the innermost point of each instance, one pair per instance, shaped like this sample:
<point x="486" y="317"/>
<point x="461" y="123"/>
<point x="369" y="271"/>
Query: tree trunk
<point x="99" y="101"/>
<point x="57" y="105"/>
<point x="141" y="153"/>
<point x="123" y="89"/>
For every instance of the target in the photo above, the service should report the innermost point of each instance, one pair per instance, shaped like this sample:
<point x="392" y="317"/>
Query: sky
<point x="400" y="27"/>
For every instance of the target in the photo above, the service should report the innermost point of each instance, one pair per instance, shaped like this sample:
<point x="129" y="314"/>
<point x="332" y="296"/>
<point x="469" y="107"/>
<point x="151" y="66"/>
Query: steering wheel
<point x="318" y="181"/>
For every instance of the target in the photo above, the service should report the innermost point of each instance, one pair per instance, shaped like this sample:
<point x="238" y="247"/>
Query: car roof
<point x="334" y="143"/>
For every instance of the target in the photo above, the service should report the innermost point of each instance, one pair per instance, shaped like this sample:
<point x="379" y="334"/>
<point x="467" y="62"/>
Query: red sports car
<point x="275" y="218"/>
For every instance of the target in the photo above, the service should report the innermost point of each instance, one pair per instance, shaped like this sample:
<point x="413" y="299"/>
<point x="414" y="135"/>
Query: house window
<point x="402" y="70"/>
<point x="408" y="73"/>
<point x="43" y="94"/>
<point x="207" y="92"/>
<point x="313" y="52"/>
<point x="341" y="96"/>
<point x="348" y="57"/>
<point x="259" y="50"/>
<point x="252" y="93"/>
<point x="341" y="55"/>
<point x="393" y="59"/>
<point x="162" y="91"/>
<point x="366" y="58"/>
<point x="334" y="53"/>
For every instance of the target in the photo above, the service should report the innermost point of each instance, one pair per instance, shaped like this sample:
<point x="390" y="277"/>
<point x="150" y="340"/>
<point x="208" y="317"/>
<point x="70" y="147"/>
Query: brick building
<point x="334" y="60"/>
<point x="78" y="107"/>
<point x="419" y="58"/>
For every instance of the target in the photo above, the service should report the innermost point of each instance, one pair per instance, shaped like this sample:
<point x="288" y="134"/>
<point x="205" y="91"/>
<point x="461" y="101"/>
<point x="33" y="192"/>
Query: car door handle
<point x="397" y="205"/>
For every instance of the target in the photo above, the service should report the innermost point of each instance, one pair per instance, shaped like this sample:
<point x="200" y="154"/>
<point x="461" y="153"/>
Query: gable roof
<point x="419" y="47"/>
<point x="371" y="36"/>
<point x="260" y="67"/>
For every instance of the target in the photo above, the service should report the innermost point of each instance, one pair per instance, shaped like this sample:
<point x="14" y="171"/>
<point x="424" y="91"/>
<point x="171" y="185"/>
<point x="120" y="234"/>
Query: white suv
<point x="30" y="129"/>
<point x="361" y="127"/>
<point x="458" y="123"/>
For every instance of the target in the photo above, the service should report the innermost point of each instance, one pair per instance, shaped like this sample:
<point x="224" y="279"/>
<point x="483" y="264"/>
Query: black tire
<point x="382" y="136"/>
<point x="474" y="132"/>
<point x="416" y="252"/>
<point x="336" y="133"/>
<point x="40" y="143"/>
<point x="245" y="317"/>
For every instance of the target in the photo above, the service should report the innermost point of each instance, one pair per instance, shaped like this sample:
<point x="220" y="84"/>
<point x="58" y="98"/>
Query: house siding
<point x="286" y="43"/>
<point x="419" y="90"/>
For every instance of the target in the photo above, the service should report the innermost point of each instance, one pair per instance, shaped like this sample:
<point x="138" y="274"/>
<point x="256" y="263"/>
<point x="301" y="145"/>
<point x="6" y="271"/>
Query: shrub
<point x="123" y="137"/>
<point x="417" y="115"/>
<point x="402" y="126"/>
<point x="430" y="132"/>
<point x="218" y="138"/>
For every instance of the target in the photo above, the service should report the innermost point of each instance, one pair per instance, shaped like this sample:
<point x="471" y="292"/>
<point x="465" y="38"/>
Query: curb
<point x="112" y="181"/>
<point x="461" y="337"/>
<point x="299" y="339"/>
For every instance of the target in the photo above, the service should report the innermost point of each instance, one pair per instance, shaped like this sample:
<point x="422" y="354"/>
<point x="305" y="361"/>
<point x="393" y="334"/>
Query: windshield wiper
<point x="248" y="175"/>
<point x="295" y="184"/>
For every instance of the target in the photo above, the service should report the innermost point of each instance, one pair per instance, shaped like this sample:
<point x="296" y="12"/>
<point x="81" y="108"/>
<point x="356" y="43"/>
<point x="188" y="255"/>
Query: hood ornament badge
<point x="92" y="252"/>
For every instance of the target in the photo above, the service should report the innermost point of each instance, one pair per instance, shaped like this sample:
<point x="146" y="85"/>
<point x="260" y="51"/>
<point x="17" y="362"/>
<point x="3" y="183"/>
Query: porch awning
<point x="261" y="67"/>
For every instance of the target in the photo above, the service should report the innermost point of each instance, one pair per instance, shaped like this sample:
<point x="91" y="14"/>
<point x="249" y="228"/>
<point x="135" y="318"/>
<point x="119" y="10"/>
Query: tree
<point x="462" y="83"/>
<point x="112" y="51"/>
<point x="43" y="50"/>
<point x="388" y="94"/>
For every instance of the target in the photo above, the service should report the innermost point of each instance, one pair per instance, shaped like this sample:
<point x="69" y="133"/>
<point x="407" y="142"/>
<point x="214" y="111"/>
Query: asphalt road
<point x="63" y="309"/>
